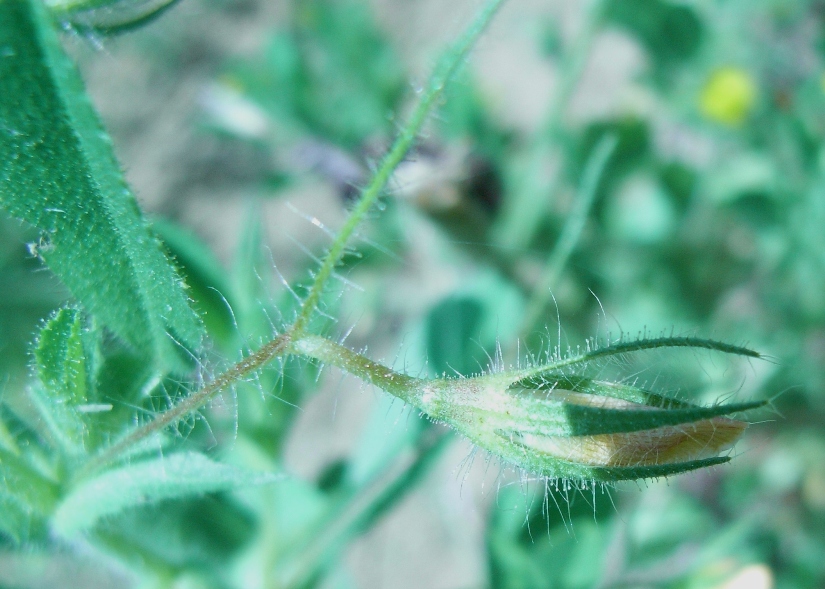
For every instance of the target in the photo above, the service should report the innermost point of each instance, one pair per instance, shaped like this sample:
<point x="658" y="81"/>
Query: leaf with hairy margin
<point x="58" y="173"/>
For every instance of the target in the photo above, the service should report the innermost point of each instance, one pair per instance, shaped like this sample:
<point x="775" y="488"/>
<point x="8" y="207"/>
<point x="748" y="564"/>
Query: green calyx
<point x="561" y="426"/>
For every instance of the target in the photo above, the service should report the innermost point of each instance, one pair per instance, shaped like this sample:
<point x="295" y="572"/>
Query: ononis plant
<point x="78" y="453"/>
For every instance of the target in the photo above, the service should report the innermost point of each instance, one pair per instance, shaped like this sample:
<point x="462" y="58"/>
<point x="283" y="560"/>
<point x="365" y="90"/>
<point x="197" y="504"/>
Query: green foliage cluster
<point x="697" y="210"/>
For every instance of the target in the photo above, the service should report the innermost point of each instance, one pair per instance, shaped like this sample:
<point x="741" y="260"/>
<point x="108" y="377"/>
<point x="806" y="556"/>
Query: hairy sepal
<point x="564" y="426"/>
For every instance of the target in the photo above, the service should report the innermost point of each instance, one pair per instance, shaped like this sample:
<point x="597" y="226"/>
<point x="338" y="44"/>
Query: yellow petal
<point x="728" y="96"/>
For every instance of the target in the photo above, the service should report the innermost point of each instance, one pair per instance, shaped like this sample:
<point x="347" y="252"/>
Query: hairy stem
<point x="275" y="348"/>
<point x="444" y="71"/>
<point x="399" y="385"/>
<point x="396" y="384"/>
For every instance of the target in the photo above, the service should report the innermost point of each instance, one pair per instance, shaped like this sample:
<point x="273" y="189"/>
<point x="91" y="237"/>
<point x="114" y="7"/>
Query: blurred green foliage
<point x="709" y="218"/>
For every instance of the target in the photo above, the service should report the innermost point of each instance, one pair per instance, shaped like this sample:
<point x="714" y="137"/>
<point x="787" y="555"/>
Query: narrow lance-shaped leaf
<point x="58" y="173"/>
<point x="170" y="477"/>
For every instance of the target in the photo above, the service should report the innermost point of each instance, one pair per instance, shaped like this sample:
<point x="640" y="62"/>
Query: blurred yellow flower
<point x="728" y="95"/>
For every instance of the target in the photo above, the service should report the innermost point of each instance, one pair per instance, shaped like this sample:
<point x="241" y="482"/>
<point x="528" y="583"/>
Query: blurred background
<point x="598" y="169"/>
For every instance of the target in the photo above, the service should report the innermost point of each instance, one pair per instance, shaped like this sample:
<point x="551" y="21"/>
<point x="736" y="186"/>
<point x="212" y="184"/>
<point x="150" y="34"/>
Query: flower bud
<point x="560" y="426"/>
<point x="554" y="423"/>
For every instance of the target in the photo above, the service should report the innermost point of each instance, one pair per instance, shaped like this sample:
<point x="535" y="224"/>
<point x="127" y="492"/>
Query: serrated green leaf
<point x="175" y="476"/>
<point x="58" y="173"/>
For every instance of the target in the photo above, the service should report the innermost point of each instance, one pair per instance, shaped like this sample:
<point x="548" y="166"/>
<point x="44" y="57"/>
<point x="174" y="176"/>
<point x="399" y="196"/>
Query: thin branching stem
<point x="288" y="342"/>
<point x="444" y="71"/>
<point x="275" y="348"/>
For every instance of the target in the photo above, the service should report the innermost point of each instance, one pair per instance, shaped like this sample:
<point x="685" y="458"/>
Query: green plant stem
<point x="444" y="71"/>
<point x="573" y="65"/>
<point x="360" y="366"/>
<point x="275" y="348"/>
<point x="399" y="385"/>
<point x="569" y="237"/>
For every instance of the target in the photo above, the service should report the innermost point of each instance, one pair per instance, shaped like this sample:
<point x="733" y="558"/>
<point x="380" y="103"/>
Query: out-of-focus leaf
<point x="380" y="441"/>
<point x="25" y="496"/>
<point x="178" y="475"/>
<point x="670" y="31"/>
<point x="739" y="176"/>
<point x="201" y="532"/>
<point x="332" y="74"/>
<point x="530" y="543"/>
<point x="631" y="151"/>
<point x="14" y="520"/>
<point x="452" y="327"/>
